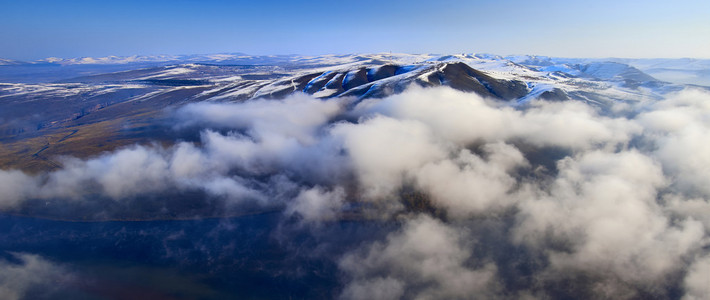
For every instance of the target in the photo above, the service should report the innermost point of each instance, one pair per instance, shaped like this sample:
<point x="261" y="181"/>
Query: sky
<point x="33" y="29"/>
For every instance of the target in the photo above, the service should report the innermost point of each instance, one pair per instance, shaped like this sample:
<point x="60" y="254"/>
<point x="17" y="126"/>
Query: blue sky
<point x="31" y="29"/>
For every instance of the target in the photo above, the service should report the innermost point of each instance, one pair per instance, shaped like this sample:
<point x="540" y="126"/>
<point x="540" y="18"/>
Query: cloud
<point x="28" y="273"/>
<point x="588" y="202"/>
<point x="316" y="204"/>
<point x="696" y="282"/>
<point x="469" y="184"/>
<point x="383" y="150"/>
<point x="121" y="174"/>
<point x="15" y="186"/>
<point x="272" y="136"/>
<point x="465" y="118"/>
<point x="603" y="209"/>
<point x="425" y="260"/>
<point x="298" y="116"/>
<point x="679" y="128"/>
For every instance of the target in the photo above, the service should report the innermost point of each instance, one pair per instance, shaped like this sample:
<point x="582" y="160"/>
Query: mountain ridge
<point x="99" y="111"/>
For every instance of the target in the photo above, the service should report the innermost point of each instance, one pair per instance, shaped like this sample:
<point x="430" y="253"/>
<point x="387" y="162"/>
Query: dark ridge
<point x="362" y="82"/>
<point x="358" y="91"/>
<point x="433" y="79"/>
<point x="378" y="90"/>
<point x="302" y="81"/>
<point x="382" y="72"/>
<point x="554" y="95"/>
<point x="353" y="79"/>
<point x="462" y="77"/>
<point x="457" y="76"/>
<point x="445" y="57"/>
<point x="563" y="74"/>
<point x="336" y="83"/>
<point x="352" y="83"/>
<point x="317" y="83"/>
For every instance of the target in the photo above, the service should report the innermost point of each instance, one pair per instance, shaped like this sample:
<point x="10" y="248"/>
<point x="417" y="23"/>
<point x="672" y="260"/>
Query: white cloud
<point x="603" y="207"/>
<point x="428" y="259"/>
<point x="464" y="118"/>
<point x="317" y="204"/>
<point x="298" y="116"/>
<point x="469" y="184"/>
<point x="15" y="186"/>
<point x="624" y="203"/>
<point x="696" y="282"/>
<point x="679" y="127"/>
<point x="384" y="149"/>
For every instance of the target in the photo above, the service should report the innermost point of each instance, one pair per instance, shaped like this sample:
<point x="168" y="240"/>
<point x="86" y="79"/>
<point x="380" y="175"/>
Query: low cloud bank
<point x="585" y="202"/>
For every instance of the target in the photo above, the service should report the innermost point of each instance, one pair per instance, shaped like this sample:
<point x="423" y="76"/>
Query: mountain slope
<point x="75" y="114"/>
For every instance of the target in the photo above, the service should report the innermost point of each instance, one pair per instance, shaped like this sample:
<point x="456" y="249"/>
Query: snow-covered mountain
<point x="681" y="71"/>
<point x="10" y="62"/>
<point x="675" y="70"/>
<point x="136" y="59"/>
<point x="129" y="93"/>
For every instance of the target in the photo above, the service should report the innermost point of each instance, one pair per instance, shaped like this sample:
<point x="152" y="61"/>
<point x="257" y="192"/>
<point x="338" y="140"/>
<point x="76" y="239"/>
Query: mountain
<point x="85" y="106"/>
<point x="226" y="58"/>
<point x="10" y="62"/>
<point x="675" y="70"/>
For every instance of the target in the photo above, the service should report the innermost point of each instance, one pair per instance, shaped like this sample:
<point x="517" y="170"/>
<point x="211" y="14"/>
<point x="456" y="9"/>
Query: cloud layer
<point x="584" y="201"/>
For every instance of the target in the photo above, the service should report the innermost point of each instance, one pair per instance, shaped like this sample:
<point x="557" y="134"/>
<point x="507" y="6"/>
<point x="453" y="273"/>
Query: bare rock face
<point x="554" y="95"/>
<point x="462" y="77"/>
